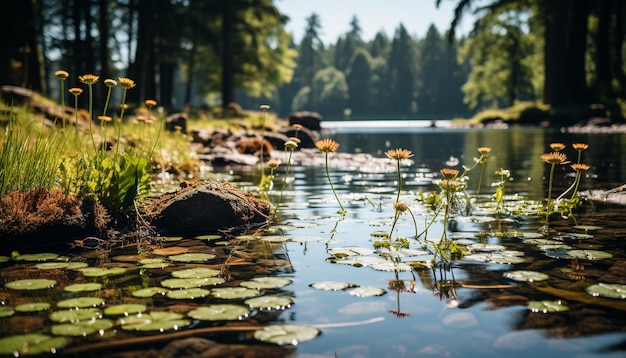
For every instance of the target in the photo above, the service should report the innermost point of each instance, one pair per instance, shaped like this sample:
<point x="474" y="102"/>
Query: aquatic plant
<point x="398" y="155"/>
<point x="554" y="158"/>
<point x="328" y="145"/>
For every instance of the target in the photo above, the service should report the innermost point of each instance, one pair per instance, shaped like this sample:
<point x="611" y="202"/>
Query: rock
<point x="310" y="120"/>
<point x="14" y="95"/>
<point x="307" y="137"/>
<point x="176" y="121"/>
<point x="206" y="207"/>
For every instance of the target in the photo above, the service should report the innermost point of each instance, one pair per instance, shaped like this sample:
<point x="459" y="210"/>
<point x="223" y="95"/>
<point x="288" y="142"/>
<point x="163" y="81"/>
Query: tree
<point x="359" y="81"/>
<point x="330" y="91"/>
<point x="400" y="79"/>
<point x="347" y="45"/>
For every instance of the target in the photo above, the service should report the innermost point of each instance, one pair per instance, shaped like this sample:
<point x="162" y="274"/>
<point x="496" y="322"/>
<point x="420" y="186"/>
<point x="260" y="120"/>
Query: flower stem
<point x="342" y="211"/>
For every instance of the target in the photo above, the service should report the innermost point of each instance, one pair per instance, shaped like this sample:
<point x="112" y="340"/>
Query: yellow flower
<point x="398" y="154"/>
<point x="76" y="91"/>
<point x="110" y="83"/>
<point x="400" y="206"/>
<point x="557" y="147"/>
<point x="62" y="75"/>
<point x="88" y="79"/>
<point x="104" y="119"/>
<point x="580" y="146"/>
<point x="291" y="144"/>
<point x="126" y="83"/>
<point x="264" y="107"/>
<point x="327" y="145"/>
<point x="580" y="167"/>
<point x="150" y="103"/>
<point x="273" y="164"/>
<point x="297" y="126"/>
<point x="484" y="150"/>
<point x="554" y="158"/>
<point x="449" y="173"/>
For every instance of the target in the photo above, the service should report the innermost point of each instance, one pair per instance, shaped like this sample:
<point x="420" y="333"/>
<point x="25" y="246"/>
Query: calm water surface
<point x="468" y="308"/>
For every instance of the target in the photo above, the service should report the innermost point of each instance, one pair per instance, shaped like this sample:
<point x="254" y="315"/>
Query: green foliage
<point x="29" y="156"/>
<point x="114" y="181"/>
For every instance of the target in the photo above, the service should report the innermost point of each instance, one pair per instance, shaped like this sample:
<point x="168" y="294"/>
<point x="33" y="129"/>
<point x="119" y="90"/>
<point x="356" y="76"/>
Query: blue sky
<point x="373" y="15"/>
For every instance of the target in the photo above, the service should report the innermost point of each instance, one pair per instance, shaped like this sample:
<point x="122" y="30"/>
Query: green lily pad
<point x="219" y="312"/>
<point x="188" y="294"/>
<point x="209" y="237"/>
<point x="75" y="315"/>
<point x="154" y="263"/>
<point x="366" y="291"/>
<point x="82" y="328"/>
<point x="610" y="290"/>
<point x="191" y="257"/>
<point x="149" y="292"/>
<point x="547" y="306"/>
<point x="44" y="256"/>
<point x="269" y="302"/>
<point x="503" y="257"/>
<point x="587" y="227"/>
<point x="589" y="254"/>
<point x="32" y="307"/>
<point x="6" y="311"/>
<point x="124" y="309"/>
<point x="31" y="344"/>
<point x="542" y="242"/>
<point x="175" y="283"/>
<point x="61" y="265"/>
<point x="486" y="247"/>
<point x="4" y="259"/>
<point x="29" y="285"/>
<point x="528" y="276"/>
<point x="83" y="287"/>
<point x="332" y="285"/>
<point x="101" y="271"/>
<point x="154" y="322"/>
<point x="81" y="302"/>
<point x="197" y="272"/>
<point x="349" y="251"/>
<point x="283" y="334"/>
<point x="266" y="282"/>
<point x="229" y="293"/>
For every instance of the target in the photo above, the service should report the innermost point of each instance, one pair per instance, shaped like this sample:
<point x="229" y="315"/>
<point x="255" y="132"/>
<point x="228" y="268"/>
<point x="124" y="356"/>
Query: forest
<point x="560" y="55"/>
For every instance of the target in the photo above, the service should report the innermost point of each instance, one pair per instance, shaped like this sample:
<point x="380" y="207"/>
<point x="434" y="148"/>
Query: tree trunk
<point x="228" y="70"/>
<point x="103" y="29"/>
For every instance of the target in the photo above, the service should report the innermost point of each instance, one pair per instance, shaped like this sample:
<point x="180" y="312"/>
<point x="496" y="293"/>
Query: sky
<point x="373" y="16"/>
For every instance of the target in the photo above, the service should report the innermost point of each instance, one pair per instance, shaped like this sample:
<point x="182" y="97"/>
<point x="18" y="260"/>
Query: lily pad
<point x="486" y="247"/>
<point x="587" y="227"/>
<point x="610" y="290"/>
<point x="547" y="306"/>
<point x="31" y="344"/>
<point x="229" y="293"/>
<point x="29" y="285"/>
<point x="188" y="294"/>
<point x="167" y="251"/>
<point x="61" y="265"/>
<point x="101" y="271"/>
<point x="175" y="283"/>
<point x="209" y="237"/>
<point x="124" y="309"/>
<point x="154" y="322"/>
<point x="81" y="302"/>
<point x="524" y="275"/>
<point x="82" y="328"/>
<point x="44" y="256"/>
<point x="589" y="254"/>
<point x="269" y="302"/>
<point x="503" y="257"/>
<point x="6" y="311"/>
<point x="219" y="312"/>
<point x="149" y="292"/>
<point x="32" y="307"/>
<point x="83" y="287"/>
<point x="349" y="251"/>
<point x="332" y="285"/>
<point x="391" y="266"/>
<point x="366" y="291"/>
<point x="283" y="334"/>
<point x="75" y="315"/>
<point x="191" y="257"/>
<point x="266" y="282"/>
<point x="197" y="272"/>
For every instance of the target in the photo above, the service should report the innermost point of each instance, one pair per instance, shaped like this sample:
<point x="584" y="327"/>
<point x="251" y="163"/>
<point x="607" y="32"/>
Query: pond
<point x="517" y="292"/>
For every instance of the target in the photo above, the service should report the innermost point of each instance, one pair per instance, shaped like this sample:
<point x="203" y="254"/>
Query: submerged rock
<point x="206" y="207"/>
